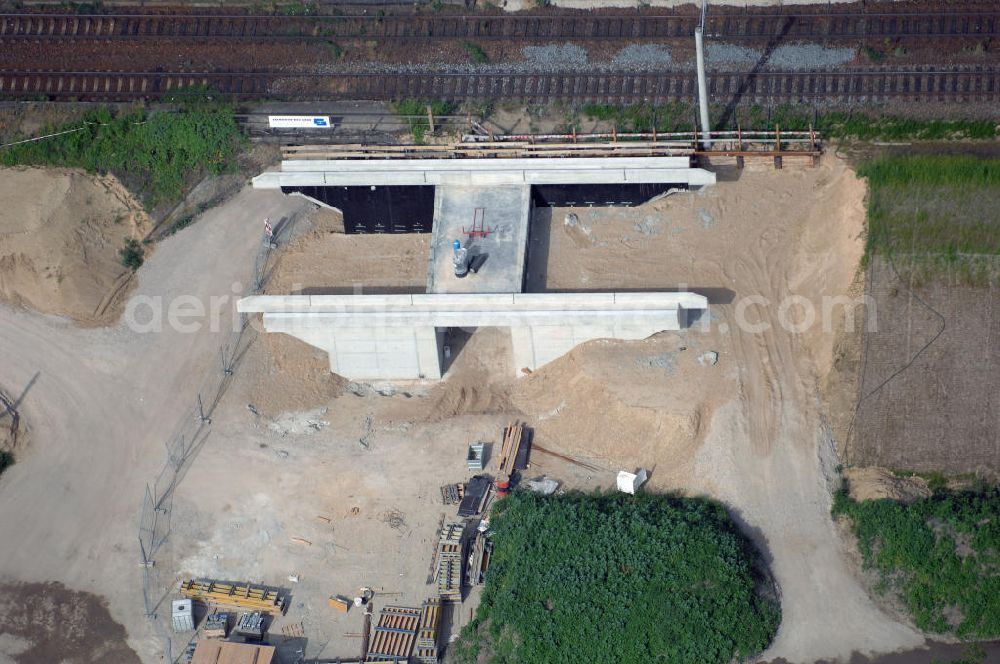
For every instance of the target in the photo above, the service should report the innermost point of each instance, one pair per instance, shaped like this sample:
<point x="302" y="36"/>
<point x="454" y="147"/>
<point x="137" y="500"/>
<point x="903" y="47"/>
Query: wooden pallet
<point x="449" y="577"/>
<point x="395" y="634"/>
<point x="426" y="648"/>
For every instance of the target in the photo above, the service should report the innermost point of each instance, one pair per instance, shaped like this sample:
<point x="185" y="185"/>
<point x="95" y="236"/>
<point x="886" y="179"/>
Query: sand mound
<point x="619" y="402"/>
<point x="283" y="374"/>
<point x="479" y="380"/>
<point x="60" y="233"/>
<point x="874" y="483"/>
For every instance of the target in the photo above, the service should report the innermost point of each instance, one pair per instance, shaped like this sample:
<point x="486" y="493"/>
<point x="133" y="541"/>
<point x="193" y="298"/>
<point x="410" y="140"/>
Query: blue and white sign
<point x="298" y="121"/>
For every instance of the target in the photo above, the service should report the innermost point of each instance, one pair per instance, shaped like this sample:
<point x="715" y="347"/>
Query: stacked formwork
<point x="450" y="562"/>
<point x="426" y="651"/>
<point x="246" y="596"/>
<point x="395" y="634"/>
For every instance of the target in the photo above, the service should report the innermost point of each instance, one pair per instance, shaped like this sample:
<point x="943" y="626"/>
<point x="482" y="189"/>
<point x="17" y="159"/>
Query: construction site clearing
<point x="342" y="519"/>
<point x="458" y="564"/>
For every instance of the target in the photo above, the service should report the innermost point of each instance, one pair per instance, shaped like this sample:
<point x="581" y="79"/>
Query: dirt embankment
<point x="874" y="483"/>
<point x="60" y="234"/>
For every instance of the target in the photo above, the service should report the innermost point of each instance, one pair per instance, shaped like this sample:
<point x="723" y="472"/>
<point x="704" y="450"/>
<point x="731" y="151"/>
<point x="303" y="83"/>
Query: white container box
<point x="181" y="615"/>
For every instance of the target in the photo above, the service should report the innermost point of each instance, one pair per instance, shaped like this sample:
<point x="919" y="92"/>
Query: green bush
<point x="415" y="111"/>
<point x="615" y="578"/>
<point x="132" y="254"/>
<point x="941" y="555"/>
<point x="476" y="53"/>
<point x="155" y="157"/>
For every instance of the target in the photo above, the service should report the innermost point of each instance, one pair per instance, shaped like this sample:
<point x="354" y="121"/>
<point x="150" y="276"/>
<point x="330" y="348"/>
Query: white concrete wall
<point x="399" y="336"/>
<point x="484" y="172"/>
<point x="368" y="352"/>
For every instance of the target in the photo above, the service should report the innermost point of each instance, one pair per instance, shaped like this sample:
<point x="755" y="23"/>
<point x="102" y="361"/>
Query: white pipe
<point x="706" y="138"/>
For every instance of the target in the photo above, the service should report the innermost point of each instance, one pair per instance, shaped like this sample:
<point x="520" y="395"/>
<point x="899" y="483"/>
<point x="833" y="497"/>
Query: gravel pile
<point x="642" y="55"/>
<point x="807" y="56"/>
<point x="730" y="54"/>
<point x="565" y="54"/>
<point x="790" y="56"/>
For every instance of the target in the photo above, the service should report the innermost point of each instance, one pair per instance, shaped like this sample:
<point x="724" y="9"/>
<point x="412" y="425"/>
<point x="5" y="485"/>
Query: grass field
<point x="155" y="157"/>
<point x="615" y="578"/>
<point x="935" y="213"/>
<point x="939" y="555"/>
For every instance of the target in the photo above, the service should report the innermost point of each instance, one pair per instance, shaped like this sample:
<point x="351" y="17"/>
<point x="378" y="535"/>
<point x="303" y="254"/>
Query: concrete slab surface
<point x="505" y="213"/>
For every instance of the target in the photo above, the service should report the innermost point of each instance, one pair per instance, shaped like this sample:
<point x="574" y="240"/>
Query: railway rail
<point x="917" y="84"/>
<point x="743" y="24"/>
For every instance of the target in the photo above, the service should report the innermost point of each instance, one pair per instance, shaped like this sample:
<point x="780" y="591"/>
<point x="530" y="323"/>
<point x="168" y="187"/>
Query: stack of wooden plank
<point x="426" y="651"/>
<point x="479" y="559"/>
<point x="240" y="596"/>
<point x="450" y="562"/>
<point x="395" y="634"/>
<point x="514" y="450"/>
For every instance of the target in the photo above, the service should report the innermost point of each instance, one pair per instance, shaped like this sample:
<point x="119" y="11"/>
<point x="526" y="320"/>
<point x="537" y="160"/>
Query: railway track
<point x="919" y="84"/>
<point x="744" y="24"/>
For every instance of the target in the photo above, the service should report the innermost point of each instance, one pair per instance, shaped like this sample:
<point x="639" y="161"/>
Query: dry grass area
<point x="928" y="369"/>
<point x="60" y="233"/>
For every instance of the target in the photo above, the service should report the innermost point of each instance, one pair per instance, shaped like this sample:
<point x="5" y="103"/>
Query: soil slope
<point x="60" y="233"/>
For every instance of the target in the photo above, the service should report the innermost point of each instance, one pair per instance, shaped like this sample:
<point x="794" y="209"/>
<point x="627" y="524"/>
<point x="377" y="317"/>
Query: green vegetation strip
<point x="415" y="112"/>
<point x="615" y="578"/>
<point x="939" y="212"/>
<point x="940" y="555"/>
<point x="155" y="157"/>
<point x="679" y="116"/>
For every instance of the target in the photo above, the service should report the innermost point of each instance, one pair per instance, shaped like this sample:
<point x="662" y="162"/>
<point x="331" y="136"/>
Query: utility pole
<point x="706" y="138"/>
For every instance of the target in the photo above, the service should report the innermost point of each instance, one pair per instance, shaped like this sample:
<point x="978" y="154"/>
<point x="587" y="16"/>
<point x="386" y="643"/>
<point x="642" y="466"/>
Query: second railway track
<point x="919" y="84"/>
<point x="750" y="24"/>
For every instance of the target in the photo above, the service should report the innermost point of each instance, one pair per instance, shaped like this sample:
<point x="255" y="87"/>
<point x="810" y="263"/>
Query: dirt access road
<point x="100" y="403"/>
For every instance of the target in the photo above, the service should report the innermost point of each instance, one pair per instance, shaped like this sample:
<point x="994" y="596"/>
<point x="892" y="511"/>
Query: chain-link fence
<point x="183" y="445"/>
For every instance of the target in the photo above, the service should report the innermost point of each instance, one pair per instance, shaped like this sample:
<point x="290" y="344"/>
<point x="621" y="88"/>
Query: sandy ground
<point x="324" y="261"/>
<point x="60" y="233"/>
<point x="340" y="490"/>
<point x="101" y="402"/>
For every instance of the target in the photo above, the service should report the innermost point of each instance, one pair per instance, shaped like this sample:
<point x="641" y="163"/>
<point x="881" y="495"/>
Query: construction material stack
<point x="514" y="449"/>
<point x="215" y="626"/>
<point x="395" y="634"/>
<point x="182" y="615"/>
<point x="243" y="596"/>
<point x="450" y="562"/>
<point x="251" y="625"/>
<point x="474" y="458"/>
<point x="426" y="651"/>
<point x="476" y="494"/>
<point x="479" y="558"/>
